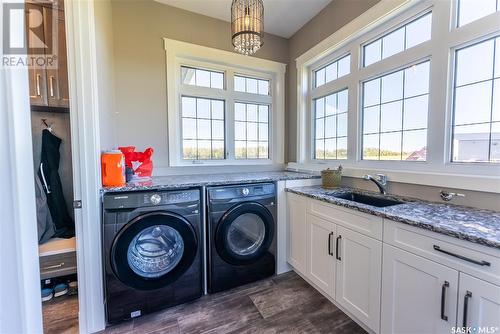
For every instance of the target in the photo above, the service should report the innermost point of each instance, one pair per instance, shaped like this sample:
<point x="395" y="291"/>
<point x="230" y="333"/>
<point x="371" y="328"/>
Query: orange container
<point x="113" y="169"/>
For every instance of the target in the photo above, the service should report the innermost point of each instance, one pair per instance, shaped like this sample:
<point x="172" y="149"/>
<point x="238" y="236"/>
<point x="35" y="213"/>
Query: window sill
<point x="486" y="183"/>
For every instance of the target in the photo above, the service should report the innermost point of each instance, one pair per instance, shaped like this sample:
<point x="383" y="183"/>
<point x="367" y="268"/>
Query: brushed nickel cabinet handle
<point x="38" y="91"/>
<point x="51" y="85"/>
<point x="60" y="265"/>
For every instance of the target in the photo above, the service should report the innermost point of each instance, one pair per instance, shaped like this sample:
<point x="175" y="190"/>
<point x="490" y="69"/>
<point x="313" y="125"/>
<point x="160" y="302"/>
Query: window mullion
<point x="353" y="110"/>
<point x="440" y="82"/>
<point x="230" y="124"/>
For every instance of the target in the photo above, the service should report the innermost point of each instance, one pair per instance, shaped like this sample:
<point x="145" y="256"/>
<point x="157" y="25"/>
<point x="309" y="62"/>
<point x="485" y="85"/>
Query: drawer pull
<point x="60" y="265"/>
<point x="51" y="85"/>
<point x="38" y="91"/>
<point x="467" y="296"/>
<point x="330" y="244"/>
<point x="446" y="284"/>
<point x="337" y="256"/>
<point x="480" y="263"/>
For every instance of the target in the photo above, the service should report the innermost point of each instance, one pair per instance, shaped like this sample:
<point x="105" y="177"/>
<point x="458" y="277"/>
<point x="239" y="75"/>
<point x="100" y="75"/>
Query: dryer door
<point x="153" y="250"/>
<point x="244" y="233"/>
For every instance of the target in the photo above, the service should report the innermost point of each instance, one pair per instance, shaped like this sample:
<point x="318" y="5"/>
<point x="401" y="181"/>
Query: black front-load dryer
<point x="152" y="251"/>
<point x="241" y="234"/>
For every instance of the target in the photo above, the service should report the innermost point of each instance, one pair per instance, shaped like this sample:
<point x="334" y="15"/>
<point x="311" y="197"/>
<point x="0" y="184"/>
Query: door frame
<point x="85" y="146"/>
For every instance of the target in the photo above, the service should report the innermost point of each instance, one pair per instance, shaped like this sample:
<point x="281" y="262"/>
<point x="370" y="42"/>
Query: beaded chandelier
<point x="247" y="25"/>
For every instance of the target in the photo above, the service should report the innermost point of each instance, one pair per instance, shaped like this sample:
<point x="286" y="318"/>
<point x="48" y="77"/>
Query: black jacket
<point x="49" y="174"/>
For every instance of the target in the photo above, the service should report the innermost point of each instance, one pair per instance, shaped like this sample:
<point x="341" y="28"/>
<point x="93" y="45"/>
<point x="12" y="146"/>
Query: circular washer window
<point x="246" y="234"/>
<point x="155" y="251"/>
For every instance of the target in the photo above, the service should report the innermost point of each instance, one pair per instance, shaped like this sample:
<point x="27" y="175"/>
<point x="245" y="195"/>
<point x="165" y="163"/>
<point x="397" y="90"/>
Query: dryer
<point x="241" y="234"/>
<point x="152" y="251"/>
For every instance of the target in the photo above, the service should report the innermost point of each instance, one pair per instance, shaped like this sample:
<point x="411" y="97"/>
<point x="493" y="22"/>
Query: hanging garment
<point x="49" y="174"/>
<point x="45" y="225"/>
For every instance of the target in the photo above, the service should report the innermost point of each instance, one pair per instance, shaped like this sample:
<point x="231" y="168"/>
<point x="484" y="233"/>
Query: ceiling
<point x="281" y="17"/>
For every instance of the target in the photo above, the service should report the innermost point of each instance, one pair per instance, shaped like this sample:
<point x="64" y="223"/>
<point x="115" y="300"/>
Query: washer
<point x="241" y="234"/>
<point x="152" y="251"/>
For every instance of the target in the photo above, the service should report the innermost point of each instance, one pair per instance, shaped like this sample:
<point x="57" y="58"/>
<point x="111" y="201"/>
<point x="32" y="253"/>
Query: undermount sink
<point x="369" y="200"/>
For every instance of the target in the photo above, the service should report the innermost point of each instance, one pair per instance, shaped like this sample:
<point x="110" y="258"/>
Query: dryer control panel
<point x="242" y="192"/>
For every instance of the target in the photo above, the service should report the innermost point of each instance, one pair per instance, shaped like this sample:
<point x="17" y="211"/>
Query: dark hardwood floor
<point x="283" y="304"/>
<point x="60" y="315"/>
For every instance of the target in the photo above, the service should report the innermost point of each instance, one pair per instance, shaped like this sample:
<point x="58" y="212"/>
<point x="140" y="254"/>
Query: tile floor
<point x="282" y="304"/>
<point x="60" y="315"/>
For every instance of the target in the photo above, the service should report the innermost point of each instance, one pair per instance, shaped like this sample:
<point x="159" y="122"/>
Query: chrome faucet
<point x="380" y="181"/>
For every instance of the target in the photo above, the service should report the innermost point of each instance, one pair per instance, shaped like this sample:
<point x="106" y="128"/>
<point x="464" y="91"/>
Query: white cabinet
<point x="297" y="232"/>
<point x="478" y="303"/>
<point x="418" y="295"/>
<point x="404" y="280"/>
<point x="358" y="279"/>
<point x="321" y="268"/>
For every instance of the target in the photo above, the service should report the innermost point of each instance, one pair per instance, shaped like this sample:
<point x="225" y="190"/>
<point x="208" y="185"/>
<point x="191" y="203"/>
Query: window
<point x="399" y="40"/>
<point x="423" y="95"/>
<point x="202" y="78"/>
<point x="472" y="10"/>
<point x="251" y="131"/>
<point x="330" y="119"/>
<point x="223" y="108"/>
<point x="476" y="121"/>
<point x="202" y="128"/>
<point x="395" y="115"/>
<point x="333" y="71"/>
<point x="251" y="85"/>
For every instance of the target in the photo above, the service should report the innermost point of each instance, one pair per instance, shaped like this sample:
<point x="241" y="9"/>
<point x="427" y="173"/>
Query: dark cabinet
<point x="46" y="36"/>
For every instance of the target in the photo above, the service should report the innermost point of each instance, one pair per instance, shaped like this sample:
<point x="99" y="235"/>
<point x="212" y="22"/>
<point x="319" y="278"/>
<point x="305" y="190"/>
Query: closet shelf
<point x="57" y="110"/>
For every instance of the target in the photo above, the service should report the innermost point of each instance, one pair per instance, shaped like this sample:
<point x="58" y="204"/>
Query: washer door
<point x="244" y="233"/>
<point x="153" y="250"/>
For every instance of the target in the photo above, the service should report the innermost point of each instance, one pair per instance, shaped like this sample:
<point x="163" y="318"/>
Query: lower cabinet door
<point x="321" y="271"/>
<point x="478" y="305"/>
<point x="358" y="276"/>
<point x="418" y="295"/>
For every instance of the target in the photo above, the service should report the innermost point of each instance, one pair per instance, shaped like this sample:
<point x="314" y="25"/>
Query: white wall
<point x="140" y="71"/>
<point x="105" y="71"/>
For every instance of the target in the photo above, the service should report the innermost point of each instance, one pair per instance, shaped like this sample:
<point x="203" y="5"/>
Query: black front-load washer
<point x="152" y="251"/>
<point x="241" y="234"/>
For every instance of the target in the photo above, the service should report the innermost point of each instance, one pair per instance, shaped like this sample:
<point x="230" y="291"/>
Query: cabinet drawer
<point x="57" y="265"/>
<point x="459" y="254"/>
<point x="360" y="222"/>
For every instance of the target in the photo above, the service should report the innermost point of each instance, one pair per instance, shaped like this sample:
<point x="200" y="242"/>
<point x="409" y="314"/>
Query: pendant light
<point x="247" y="25"/>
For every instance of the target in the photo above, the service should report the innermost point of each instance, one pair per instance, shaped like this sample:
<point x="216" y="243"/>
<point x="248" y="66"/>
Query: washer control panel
<point x="149" y="198"/>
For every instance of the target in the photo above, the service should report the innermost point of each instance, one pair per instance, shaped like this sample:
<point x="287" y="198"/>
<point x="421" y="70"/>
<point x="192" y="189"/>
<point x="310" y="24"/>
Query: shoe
<point x="47" y="294"/>
<point x="60" y="289"/>
<point x="73" y="288"/>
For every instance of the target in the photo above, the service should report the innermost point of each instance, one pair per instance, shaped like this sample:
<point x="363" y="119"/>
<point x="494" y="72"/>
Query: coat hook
<point x="49" y="127"/>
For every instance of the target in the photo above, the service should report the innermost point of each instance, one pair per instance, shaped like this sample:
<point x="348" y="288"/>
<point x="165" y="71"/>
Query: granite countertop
<point x="475" y="225"/>
<point x="198" y="180"/>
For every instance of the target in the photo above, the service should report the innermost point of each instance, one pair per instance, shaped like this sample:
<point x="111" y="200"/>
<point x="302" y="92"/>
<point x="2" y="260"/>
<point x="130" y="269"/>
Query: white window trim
<point x="181" y="53"/>
<point x="438" y="170"/>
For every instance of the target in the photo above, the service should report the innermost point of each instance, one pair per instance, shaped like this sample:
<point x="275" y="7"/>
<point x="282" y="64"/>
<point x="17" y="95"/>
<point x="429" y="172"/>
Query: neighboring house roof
<point x="418" y="155"/>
